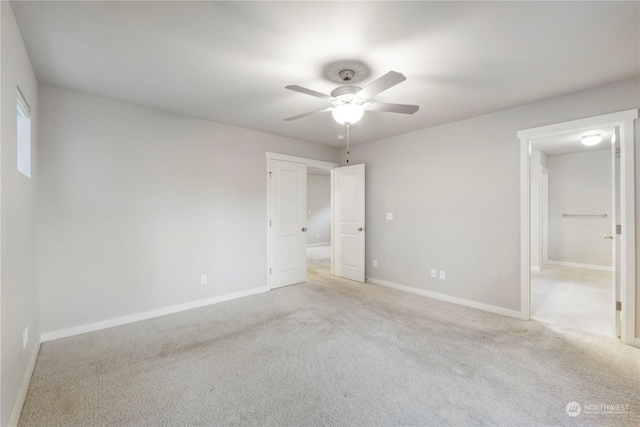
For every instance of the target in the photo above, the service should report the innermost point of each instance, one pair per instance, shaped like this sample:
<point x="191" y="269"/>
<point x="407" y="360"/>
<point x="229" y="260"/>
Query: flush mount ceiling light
<point x="591" y="139"/>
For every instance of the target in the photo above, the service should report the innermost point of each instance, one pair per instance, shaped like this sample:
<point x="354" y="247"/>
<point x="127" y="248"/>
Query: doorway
<point x="622" y="220"/>
<point x="318" y="243"/>
<point x="287" y="217"/>
<point x="572" y="189"/>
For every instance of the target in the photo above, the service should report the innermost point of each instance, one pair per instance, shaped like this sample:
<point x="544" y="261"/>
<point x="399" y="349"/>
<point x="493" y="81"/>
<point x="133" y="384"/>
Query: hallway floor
<point x="576" y="298"/>
<point x="318" y="261"/>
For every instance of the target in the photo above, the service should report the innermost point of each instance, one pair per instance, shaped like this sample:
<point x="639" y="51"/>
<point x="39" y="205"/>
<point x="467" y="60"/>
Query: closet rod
<point x="604" y="215"/>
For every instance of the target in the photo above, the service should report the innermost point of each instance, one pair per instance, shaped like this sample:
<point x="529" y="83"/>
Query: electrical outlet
<point x="389" y="216"/>
<point x="442" y="275"/>
<point x="203" y="279"/>
<point x="434" y="274"/>
<point x="375" y="262"/>
<point x="25" y="337"/>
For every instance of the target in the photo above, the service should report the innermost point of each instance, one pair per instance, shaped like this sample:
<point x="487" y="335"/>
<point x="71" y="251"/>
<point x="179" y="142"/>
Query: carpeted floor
<point x="577" y="298"/>
<point x="333" y="352"/>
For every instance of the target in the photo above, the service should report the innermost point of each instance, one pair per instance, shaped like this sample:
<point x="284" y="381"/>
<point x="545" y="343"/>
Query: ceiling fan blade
<point x="390" y="79"/>
<point x="301" y="89"/>
<point x="288" y="119"/>
<point x="392" y="108"/>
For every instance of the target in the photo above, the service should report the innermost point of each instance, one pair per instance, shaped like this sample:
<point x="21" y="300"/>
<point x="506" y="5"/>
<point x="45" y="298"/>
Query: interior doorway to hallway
<point x="573" y="210"/>
<point x="287" y="216"/>
<point x="618" y="234"/>
<point x="318" y="223"/>
<point x="287" y="219"/>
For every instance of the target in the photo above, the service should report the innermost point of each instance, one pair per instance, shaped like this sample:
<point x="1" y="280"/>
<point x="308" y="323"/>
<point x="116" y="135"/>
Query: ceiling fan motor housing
<point x="346" y="95"/>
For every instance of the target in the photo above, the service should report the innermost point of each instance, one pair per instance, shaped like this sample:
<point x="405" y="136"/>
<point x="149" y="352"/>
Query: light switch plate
<point x="389" y="216"/>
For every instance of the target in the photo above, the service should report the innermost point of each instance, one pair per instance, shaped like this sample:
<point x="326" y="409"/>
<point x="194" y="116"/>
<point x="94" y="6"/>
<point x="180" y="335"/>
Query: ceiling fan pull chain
<point x="347" y="125"/>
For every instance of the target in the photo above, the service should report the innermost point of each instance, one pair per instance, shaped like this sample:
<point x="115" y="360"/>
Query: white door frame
<point x="284" y="157"/>
<point x="624" y="120"/>
<point x="544" y="216"/>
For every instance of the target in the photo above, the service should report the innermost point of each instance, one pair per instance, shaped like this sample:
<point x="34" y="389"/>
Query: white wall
<point x="136" y="204"/>
<point x="19" y="295"/>
<point x="580" y="183"/>
<point x="319" y="204"/>
<point x="455" y="194"/>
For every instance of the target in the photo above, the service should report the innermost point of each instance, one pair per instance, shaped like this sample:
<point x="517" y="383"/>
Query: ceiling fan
<point x="349" y="102"/>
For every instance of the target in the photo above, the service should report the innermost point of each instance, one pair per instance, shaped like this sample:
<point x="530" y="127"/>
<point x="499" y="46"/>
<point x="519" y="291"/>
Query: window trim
<point x="23" y="104"/>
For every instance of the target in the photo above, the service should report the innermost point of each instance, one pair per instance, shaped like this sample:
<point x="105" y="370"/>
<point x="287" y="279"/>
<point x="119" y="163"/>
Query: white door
<point x="616" y="241"/>
<point x="348" y="222"/>
<point x="288" y="222"/>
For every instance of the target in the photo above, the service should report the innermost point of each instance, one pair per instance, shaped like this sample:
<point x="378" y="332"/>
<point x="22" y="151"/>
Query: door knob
<point x="608" y="237"/>
<point x="360" y="228"/>
<point x="304" y="228"/>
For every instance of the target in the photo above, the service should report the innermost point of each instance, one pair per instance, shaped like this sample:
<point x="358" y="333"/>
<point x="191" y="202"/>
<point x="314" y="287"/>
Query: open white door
<point x="616" y="241"/>
<point x="348" y="222"/>
<point x="288" y="222"/>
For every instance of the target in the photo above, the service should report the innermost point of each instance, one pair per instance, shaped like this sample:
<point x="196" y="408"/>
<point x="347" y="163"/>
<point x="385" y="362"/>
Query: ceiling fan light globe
<point x="347" y="113"/>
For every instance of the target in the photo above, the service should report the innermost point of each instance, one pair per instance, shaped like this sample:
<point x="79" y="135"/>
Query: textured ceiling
<point x="230" y="61"/>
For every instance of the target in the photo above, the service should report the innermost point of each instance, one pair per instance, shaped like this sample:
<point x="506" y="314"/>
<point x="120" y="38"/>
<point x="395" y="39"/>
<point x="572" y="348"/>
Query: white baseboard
<point x="90" y="327"/>
<point x="22" y="394"/>
<point x="449" y="298"/>
<point x="313" y="245"/>
<point x="579" y="265"/>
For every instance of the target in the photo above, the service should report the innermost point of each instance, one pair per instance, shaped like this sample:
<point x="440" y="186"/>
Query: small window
<point x="24" y="136"/>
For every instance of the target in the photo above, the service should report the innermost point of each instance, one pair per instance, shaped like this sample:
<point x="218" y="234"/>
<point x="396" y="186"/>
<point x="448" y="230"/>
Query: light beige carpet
<point x="333" y="352"/>
<point x="577" y="298"/>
